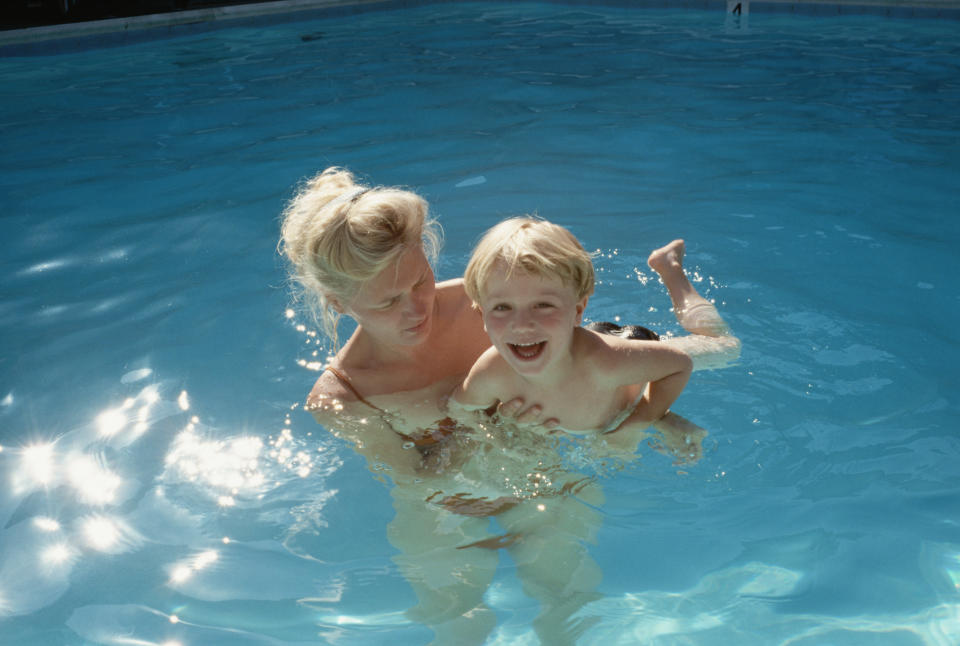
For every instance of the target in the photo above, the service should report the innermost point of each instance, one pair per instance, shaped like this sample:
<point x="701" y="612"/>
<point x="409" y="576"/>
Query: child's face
<point x="530" y="319"/>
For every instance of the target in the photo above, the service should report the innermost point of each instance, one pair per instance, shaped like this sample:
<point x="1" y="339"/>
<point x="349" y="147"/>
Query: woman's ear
<point x="581" y="306"/>
<point x="335" y="304"/>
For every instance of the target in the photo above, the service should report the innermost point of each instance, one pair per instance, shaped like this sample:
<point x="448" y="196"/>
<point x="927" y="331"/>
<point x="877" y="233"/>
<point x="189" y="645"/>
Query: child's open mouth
<point x="527" y="351"/>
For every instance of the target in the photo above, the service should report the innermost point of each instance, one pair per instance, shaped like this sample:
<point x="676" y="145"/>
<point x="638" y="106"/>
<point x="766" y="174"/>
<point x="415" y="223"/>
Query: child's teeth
<point x="528" y="350"/>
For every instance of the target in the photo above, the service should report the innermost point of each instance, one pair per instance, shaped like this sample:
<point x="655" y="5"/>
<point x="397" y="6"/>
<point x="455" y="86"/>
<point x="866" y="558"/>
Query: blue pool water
<point x="161" y="484"/>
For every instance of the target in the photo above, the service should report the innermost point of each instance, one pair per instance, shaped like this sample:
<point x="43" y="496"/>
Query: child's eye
<point x="544" y="305"/>
<point x="500" y="307"/>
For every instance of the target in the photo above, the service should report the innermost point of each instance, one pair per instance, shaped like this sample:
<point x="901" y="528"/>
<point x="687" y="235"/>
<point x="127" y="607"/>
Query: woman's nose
<point x="417" y="306"/>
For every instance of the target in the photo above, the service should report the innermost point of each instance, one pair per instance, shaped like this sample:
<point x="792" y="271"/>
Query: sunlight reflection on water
<point x="68" y="500"/>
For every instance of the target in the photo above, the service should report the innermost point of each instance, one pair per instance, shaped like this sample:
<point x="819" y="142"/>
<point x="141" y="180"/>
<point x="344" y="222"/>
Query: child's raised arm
<point x="664" y="368"/>
<point x="676" y="367"/>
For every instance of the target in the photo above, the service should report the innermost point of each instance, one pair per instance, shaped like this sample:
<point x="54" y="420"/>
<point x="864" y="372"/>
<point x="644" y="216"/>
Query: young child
<point x="531" y="280"/>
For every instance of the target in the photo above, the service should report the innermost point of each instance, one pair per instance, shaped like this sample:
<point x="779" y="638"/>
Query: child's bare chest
<point x="579" y="405"/>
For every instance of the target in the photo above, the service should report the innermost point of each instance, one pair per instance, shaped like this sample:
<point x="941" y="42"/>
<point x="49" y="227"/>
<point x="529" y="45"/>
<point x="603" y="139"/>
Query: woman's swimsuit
<point x="428" y="438"/>
<point x="428" y="443"/>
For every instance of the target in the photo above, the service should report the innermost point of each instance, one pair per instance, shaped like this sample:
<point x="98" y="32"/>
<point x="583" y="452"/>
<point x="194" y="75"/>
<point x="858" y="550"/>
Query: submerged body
<point x="364" y="253"/>
<point x="402" y="390"/>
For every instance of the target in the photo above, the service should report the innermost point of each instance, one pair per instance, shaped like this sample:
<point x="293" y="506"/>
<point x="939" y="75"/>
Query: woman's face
<point x="397" y="305"/>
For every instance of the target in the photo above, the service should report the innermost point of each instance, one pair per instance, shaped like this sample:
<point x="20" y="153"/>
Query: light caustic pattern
<point x="98" y="492"/>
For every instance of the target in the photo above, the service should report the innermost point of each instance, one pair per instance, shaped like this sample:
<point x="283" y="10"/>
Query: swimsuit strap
<point x="346" y="382"/>
<point x="444" y="427"/>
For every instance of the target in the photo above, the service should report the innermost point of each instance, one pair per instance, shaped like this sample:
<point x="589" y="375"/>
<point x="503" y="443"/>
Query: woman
<point x="366" y="252"/>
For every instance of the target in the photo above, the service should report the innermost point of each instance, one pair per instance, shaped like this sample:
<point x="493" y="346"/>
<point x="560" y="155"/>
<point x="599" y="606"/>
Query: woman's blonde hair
<point x="337" y="234"/>
<point x="534" y="246"/>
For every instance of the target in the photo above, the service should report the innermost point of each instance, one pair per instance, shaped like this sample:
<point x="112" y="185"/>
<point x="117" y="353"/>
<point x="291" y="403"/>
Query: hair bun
<point x="330" y="184"/>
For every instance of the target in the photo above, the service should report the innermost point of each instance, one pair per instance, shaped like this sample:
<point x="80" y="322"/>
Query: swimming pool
<point x="161" y="485"/>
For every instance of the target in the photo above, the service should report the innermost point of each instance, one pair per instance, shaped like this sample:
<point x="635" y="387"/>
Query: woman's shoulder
<point x="326" y="392"/>
<point x="332" y="395"/>
<point x="459" y="313"/>
<point x="453" y="293"/>
<point x="452" y="284"/>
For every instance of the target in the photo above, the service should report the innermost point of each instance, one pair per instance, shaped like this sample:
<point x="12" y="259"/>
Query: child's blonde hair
<point x="337" y="234"/>
<point x="531" y="245"/>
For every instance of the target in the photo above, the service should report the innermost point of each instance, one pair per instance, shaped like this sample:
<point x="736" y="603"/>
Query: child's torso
<point x="580" y="404"/>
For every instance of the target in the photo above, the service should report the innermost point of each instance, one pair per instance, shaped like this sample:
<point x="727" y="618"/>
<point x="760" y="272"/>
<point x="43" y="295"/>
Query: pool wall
<point x="58" y="39"/>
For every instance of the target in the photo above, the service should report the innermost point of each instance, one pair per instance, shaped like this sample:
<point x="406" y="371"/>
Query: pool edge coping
<point x="33" y="35"/>
<point x="170" y="19"/>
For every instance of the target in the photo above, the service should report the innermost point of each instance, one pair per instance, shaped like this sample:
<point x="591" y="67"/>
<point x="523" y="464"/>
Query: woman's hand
<point x="515" y="411"/>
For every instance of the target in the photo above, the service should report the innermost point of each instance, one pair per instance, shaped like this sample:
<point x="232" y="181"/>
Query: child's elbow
<point x="686" y="364"/>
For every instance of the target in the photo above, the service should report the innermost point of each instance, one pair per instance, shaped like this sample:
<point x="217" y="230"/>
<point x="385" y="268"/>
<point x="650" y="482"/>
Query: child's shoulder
<point x="605" y="353"/>
<point x="598" y="342"/>
<point x="593" y="345"/>
<point x="490" y="366"/>
<point x="487" y="377"/>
